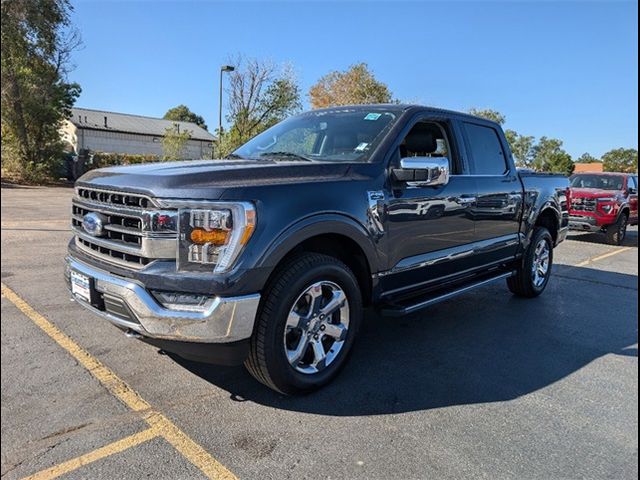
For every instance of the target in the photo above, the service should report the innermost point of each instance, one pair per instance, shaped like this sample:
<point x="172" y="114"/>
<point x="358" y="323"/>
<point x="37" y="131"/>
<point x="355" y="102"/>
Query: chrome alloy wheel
<point x="540" y="264"/>
<point x="316" y="327"/>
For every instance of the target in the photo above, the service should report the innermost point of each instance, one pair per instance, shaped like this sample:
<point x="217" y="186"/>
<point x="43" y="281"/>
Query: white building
<point x="109" y="132"/>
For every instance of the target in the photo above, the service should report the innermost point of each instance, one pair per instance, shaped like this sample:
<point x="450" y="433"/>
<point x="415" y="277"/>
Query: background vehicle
<point x="269" y="257"/>
<point x="604" y="202"/>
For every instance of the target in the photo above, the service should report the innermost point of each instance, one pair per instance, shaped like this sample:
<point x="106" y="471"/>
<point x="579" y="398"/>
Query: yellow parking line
<point x="112" y="448"/>
<point x="188" y="448"/>
<point x="603" y="256"/>
<point x="123" y="392"/>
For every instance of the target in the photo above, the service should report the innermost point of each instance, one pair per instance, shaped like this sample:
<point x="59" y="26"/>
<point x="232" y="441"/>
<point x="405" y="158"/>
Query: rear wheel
<point x="306" y="326"/>
<point x="533" y="274"/>
<point x="617" y="232"/>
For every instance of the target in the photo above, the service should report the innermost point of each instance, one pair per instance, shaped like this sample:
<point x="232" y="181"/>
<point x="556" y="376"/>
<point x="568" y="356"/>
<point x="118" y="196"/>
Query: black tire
<point x="267" y="360"/>
<point x="617" y="232"/>
<point x="522" y="283"/>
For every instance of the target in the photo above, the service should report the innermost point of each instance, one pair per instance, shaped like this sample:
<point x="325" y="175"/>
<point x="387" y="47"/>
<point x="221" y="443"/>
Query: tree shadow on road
<point x="486" y="346"/>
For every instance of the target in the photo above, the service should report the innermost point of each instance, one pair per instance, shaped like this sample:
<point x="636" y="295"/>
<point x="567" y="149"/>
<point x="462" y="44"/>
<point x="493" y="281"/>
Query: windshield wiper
<point x="288" y="155"/>
<point x="233" y="156"/>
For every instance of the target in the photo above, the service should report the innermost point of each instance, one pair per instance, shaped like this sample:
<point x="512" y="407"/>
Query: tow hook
<point x="133" y="334"/>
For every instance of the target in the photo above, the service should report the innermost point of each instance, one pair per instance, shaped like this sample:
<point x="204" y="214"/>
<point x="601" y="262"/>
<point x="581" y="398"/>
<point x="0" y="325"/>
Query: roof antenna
<point x="105" y="122"/>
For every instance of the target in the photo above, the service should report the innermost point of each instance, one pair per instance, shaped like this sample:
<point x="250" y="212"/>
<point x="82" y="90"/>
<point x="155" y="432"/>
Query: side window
<point x="428" y="139"/>
<point x="632" y="182"/>
<point x="487" y="154"/>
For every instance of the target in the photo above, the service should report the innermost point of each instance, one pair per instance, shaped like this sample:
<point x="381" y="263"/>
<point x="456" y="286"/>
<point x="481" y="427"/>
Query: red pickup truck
<point x="604" y="202"/>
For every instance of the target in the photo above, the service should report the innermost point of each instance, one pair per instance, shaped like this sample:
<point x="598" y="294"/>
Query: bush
<point x="45" y="170"/>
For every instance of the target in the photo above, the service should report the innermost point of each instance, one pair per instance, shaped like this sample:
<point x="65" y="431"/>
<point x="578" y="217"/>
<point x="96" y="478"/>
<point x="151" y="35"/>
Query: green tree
<point x="621" y="160"/>
<point x="489" y="114"/>
<point x="260" y="94"/>
<point x="174" y="143"/>
<point x="356" y="85"/>
<point x="181" y="113"/>
<point x="521" y="147"/>
<point x="37" y="41"/>
<point x="549" y="156"/>
<point x="586" y="158"/>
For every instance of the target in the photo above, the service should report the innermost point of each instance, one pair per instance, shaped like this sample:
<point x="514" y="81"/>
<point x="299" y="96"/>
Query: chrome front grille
<point x="132" y="236"/>
<point x="110" y="254"/>
<point x="583" y="204"/>
<point x="120" y="228"/>
<point x="114" y="198"/>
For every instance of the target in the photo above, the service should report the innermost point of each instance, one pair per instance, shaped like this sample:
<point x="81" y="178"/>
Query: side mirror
<point x="422" y="171"/>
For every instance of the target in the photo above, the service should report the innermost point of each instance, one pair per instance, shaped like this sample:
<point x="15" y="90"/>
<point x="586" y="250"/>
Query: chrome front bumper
<point x="128" y="305"/>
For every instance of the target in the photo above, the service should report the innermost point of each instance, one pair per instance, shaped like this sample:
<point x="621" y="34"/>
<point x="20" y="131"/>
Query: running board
<point x="400" y="310"/>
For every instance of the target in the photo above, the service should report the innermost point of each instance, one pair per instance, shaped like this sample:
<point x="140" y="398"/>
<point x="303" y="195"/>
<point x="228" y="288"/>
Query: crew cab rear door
<point x="498" y="205"/>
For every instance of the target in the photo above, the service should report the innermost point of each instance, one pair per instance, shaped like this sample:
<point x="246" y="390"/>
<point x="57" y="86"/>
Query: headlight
<point x="607" y="208"/>
<point x="607" y="204"/>
<point x="212" y="236"/>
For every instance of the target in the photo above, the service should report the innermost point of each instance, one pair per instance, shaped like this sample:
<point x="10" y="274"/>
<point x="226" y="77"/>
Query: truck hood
<point x="209" y="179"/>
<point x="593" y="193"/>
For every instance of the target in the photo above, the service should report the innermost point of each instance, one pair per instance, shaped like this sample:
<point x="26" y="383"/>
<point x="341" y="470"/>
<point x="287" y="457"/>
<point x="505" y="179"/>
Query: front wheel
<point x="306" y="325"/>
<point x="617" y="232"/>
<point x="533" y="274"/>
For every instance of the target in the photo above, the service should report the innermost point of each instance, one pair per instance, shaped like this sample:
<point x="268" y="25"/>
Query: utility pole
<point x="223" y="68"/>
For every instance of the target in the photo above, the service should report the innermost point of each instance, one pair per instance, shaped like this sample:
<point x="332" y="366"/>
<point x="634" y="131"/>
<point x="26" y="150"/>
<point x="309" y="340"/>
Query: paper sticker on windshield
<point x="373" y="116"/>
<point x="362" y="147"/>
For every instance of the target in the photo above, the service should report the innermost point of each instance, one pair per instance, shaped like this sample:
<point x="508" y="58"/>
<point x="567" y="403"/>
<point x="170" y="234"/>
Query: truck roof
<point x="403" y="107"/>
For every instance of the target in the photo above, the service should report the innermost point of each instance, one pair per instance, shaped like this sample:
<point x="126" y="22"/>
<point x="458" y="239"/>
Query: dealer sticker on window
<point x="373" y="116"/>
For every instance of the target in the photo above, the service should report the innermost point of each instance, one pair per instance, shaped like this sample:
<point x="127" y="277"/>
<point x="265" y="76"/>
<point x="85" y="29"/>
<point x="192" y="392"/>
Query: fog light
<point x="184" y="302"/>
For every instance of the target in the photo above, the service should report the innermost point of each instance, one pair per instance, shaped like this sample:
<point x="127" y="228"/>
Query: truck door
<point x="498" y="206"/>
<point x="429" y="232"/>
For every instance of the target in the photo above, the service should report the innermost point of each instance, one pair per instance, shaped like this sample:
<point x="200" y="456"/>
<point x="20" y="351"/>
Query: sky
<point x="567" y="70"/>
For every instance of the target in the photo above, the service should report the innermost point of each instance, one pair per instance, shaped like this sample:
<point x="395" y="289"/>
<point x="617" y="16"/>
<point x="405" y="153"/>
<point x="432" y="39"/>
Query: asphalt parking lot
<point x="482" y="386"/>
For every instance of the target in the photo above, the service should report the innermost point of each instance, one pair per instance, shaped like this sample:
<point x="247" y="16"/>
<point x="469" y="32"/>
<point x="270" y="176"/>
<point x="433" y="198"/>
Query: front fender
<point x="326" y="223"/>
<point x="622" y="208"/>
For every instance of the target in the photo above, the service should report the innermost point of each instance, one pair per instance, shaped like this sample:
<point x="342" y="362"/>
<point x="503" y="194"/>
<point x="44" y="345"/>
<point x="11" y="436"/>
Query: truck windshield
<point x="601" y="182"/>
<point x="340" y="135"/>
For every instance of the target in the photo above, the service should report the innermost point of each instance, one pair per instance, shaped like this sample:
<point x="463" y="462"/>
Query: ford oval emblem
<point x="93" y="223"/>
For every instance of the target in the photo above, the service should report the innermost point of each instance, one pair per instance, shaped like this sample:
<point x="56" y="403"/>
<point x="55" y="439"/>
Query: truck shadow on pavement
<point x="486" y="346"/>
<point x="631" y="240"/>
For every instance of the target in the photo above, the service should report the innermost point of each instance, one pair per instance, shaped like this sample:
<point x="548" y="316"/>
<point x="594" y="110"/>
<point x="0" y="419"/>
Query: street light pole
<point x="223" y="68"/>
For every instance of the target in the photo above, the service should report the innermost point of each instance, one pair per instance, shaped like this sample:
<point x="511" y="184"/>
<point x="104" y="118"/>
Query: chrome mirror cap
<point x="427" y="171"/>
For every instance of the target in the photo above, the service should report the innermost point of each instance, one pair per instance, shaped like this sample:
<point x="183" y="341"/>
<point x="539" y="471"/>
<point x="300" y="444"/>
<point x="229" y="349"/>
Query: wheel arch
<point x="549" y="218"/>
<point x="625" y="209"/>
<point x="335" y="235"/>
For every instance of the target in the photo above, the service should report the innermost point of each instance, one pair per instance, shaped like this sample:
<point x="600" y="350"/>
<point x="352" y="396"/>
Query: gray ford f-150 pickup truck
<point x="268" y="257"/>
